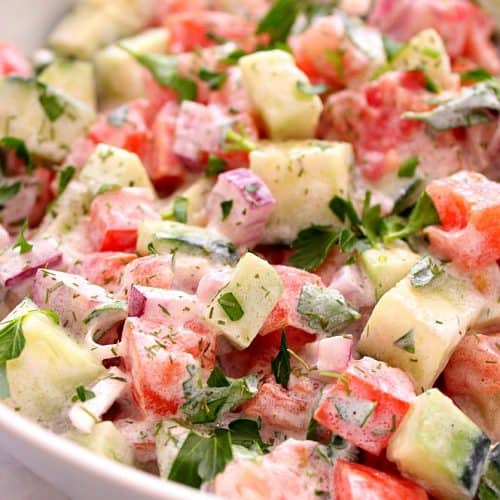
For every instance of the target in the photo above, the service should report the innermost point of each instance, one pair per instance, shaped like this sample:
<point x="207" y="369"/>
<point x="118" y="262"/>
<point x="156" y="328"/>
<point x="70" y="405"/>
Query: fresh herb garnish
<point x="281" y="363"/>
<point x="104" y="188"/>
<point x="233" y="57"/>
<point x="245" y="432"/>
<point x="50" y="102"/>
<point x="181" y="209"/>
<point x="165" y="71"/>
<point x="214" y="79"/>
<point x="279" y="20"/>
<point x="8" y="191"/>
<point x="233" y="141"/>
<point x="65" y="177"/>
<point x="226" y="207"/>
<point x="82" y="394"/>
<point x="206" y="404"/>
<point x="325" y="309"/>
<point x="424" y="272"/>
<point x="231" y="306"/>
<point x="310" y="90"/>
<point x="216" y="165"/>
<point x="201" y="458"/>
<point x="475" y="75"/>
<point x="21" y="242"/>
<point x="406" y="342"/>
<point x="312" y="246"/>
<point x="409" y="166"/>
<point x="20" y="150"/>
<point x="473" y="105"/>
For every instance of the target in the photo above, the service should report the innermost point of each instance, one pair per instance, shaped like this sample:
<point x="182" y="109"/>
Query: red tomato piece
<point x="200" y="29"/>
<point x="352" y="481"/>
<point x="115" y="215"/>
<point x="157" y="358"/>
<point x="13" y="62"/>
<point x="103" y="268"/>
<point x="469" y="208"/>
<point x="165" y="169"/>
<point x="80" y="152"/>
<point x="44" y="177"/>
<point x="124" y="127"/>
<point x="472" y="380"/>
<point x="285" y="311"/>
<point x="286" y="409"/>
<point x="367" y="405"/>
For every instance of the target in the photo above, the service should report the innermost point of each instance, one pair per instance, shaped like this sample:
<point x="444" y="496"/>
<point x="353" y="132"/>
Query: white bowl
<point x="77" y="472"/>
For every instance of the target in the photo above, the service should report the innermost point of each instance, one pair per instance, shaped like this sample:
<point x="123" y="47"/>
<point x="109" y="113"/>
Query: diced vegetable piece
<point x="115" y="216"/>
<point x="329" y="355"/>
<point x="272" y="80"/>
<point x="169" y="440"/>
<point x="93" y="24"/>
<point x="353" y="283"/>
<point x="158" y="359"/>
<point x="44" y="377"/>
<point x="47" y="120"/>
<point x="387" y="265"/>
<point x="177" y="238"/>
<point x="472" y="380"/>
<point x="426" y="52"/>
<point x="289" y="410"/>
<point x="303" y="177"/>
<point x="15" y="267"/>
<point x="90" y="405"/>
<point x="73" y="78"/>
<point x="429" y="324"/>
<point x="489" y="487"/>
<point x="241" y="307"/>
<point x="170" y="307"/>
<point x="353" y="481"/>
<point x="469" y="208"/>
<point x="110" y="166"/>
<point x="120" y="78"/>
<point x="240" y="206"/>
<point x="81" y="306"/>
<point x="106" y="440"/>
<point x="367" y="404"/>
<point x="439" y="447"/>
<point x="285" y="311"/>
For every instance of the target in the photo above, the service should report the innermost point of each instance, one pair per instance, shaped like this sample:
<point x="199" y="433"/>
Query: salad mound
<point x="253" y="246"/>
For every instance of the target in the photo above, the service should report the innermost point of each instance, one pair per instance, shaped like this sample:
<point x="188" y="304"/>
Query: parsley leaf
<point x="406" y="342"/>
<point x="470" y="107"/>
<point x="8" y="191"/>
<point x="12" y="339"/>
<point x="233" y="57"/>
<point x="215" y="165"/>
<point x="65" y="178"/>
<point x="20" y="150"/>
<point x="279" y="20"/>
<point x="423" y="214"/>
<point x="281" y="363"/>
<point x="475" y="75"/>
<point x="408" y="167"/>
<point x="312" y="246"/>
<point x="82" y="394"/>
<point x="371" y="220"/>
<point x="214" y="80"/>
<point x="166" y="72"/>
<point x="344" y="210"/>
<point x="424" y="272"/>
<point x="104" y="188"/>
<point x="245" y="432"/>
<point x="21" y="242"/>
<point x="233" y="141"/>
<point x="221" y="395"/>
<point x="201" y="458"/>
<point x="310" y="90"/>
<point x="226" y="207"/>
<point x="231" y="306"/>
<point x="50" y="102"/>
<point x="181" y="209"/>
<point x="325" y="310"/>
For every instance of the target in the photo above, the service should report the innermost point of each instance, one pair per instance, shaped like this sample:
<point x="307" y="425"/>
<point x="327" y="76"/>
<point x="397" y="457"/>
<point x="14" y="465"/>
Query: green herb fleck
<point x="231" y="306"/>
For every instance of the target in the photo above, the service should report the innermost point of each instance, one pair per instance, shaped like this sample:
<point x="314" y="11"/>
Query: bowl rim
<point x="63" y="449"/>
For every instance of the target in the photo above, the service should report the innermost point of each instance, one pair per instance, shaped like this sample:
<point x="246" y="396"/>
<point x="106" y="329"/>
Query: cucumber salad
<point x="253" y="246"/>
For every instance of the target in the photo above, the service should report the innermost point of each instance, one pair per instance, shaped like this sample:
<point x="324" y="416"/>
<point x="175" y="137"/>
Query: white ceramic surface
<point x="76" y="472"/>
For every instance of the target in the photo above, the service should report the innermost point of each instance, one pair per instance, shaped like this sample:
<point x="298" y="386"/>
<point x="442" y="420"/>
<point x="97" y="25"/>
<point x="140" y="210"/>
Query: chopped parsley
<point x="312" y="246"/>
<point x="231" y="306"/>
<point x="8" y="191"/>
<point x="82" y="394"/>
<point x="409" y="166"/>
<point x="20" y="150"/>
<point x="475" y="75"/>
<point x="226" y="207"/>
<point x="51" y="103"/>
<point x="424" y="272"/>
<point x="21" y="243"/>
<point x="213" y="79"/>
<point x="281" y="363"/>
<point x="245" y="432"/>
<point x="406" y="342"/>
<point x="233" y="141"/>
<point x="216" y="165"/>
<point x="181" y="209"/>
<point x="279" y="20"/>
<point x="65" y="177"/>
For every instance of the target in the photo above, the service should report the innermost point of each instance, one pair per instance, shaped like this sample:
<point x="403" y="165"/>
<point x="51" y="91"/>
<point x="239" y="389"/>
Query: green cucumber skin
<point x="473" y="468"/>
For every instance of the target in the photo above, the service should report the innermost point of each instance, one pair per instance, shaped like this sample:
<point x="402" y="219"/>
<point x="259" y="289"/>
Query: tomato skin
<point x="469" y="208"/>
<point x="12" y="61"/>
<point x="44" y="177"/>
<point x="352" y="481"/>
<point x="115" y="215"/>
<point x="388" y="389"/>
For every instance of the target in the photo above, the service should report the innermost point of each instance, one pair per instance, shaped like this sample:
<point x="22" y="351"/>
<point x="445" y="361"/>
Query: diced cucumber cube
<point x="489" y="488"/>
<point x="241" y="307"/>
